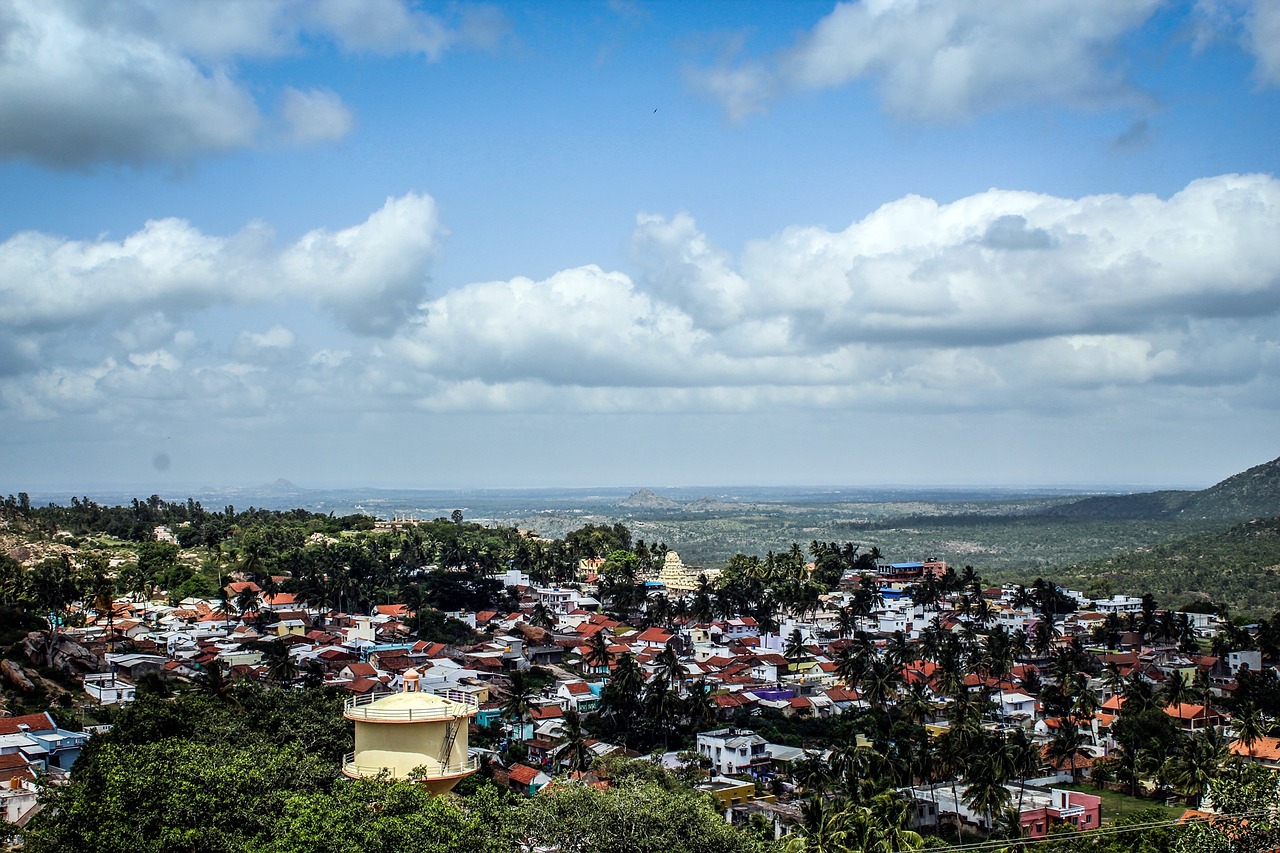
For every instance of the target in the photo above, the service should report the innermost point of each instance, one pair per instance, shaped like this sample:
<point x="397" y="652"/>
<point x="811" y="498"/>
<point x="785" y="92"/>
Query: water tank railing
<point x="434" y="770"/>
<point x="358" y="708"/>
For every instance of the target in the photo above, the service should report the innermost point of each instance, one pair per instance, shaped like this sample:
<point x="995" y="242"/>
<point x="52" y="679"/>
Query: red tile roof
<point x="34" y="722"/>
<point x="522" y="774"/>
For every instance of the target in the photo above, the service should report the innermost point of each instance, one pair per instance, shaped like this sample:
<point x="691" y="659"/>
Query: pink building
<point x="1040" y="811"/>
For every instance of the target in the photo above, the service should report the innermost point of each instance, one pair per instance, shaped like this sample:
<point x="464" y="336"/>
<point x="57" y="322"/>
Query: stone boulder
<point x="68" y="656"/>
<point x="14" y="674"/>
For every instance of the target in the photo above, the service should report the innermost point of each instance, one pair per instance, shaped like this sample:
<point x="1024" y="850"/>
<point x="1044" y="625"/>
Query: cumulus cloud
<point x="979" y="299"/>
<point x="139" y="81"/>
<point x="316" y="115"/>
<point x="369" y="275"/>
<point x="937" y="61"/>
<point x="1002" y="300"/>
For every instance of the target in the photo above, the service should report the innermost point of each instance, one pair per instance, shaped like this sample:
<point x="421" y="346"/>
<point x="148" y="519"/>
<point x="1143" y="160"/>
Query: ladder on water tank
<point x="450" y="735"/>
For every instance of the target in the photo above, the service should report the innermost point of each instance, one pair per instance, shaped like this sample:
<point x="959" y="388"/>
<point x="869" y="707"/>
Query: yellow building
<point x="412" y="734"/>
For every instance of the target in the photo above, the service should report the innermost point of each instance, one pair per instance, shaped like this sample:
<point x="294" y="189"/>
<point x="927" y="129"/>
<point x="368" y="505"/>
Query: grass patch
<point x="1117" y="805"/>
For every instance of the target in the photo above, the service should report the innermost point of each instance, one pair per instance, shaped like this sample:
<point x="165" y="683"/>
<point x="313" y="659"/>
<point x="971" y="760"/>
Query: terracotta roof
<point x="522" y="774"/>
<point x="1188" y="711"/>
<point x="655" y="635"/>
<point x="34" y="722"/>
<point x="1263" y="749"/>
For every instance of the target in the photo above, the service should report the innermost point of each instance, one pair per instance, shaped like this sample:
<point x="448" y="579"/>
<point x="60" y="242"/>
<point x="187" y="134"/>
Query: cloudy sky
<point x="415" y="244"/>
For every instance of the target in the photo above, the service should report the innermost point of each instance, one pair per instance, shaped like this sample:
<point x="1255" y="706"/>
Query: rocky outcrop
<point x="14" y="674"/>
<point x="68" y="656"/>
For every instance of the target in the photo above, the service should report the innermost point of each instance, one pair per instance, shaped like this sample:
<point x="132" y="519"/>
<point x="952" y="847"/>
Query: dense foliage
<point x="256" y="769"/>
<point x="1239" y="566"/>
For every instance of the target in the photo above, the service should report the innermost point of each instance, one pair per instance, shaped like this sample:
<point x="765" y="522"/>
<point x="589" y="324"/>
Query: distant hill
<point x="1254" y="493"/>
<point x="647" y="499"/>
<point x="1239" y="566"/>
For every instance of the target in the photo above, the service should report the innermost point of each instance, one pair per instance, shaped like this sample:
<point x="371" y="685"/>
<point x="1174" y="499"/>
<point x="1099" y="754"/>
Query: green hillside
<point x="1254" y="493"/>
<point x="1239" y="566"/>
<point x="1250" y="494"/>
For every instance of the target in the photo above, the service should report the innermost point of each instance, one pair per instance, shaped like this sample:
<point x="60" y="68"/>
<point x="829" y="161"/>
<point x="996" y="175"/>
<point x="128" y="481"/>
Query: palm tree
<point x="1043" y="636"/>
<point x="812" y="773"/>
<point x="794" y="650"/>
<point x="224" y="604"/>
<point x="852" y="661"/>
<point x="1175" y="692"/>
<point x="1084" y="703"/>
<point x="212" y="680"/>
<point x="597" y="655"/>
<point x="540" y="617"/>
<point x="575" y="750"/>
<point x="985" y="790"/>
<point x="281" y="667"/>
<point x="517" y="705"/>
<point x="248" y="600"/>
<point x="698" y="708"/>
<point x="916" y="703"/>
<point x="669" y="671"/>
<point x="1067" y="747"/>
<point x="1249" y="725"/>
<point x="1196" y="762"/>
<point x="879" y="684"/>
<point x="822" y="829"/>
<point x="102" y="591"/>
<point x="620" y="699"/>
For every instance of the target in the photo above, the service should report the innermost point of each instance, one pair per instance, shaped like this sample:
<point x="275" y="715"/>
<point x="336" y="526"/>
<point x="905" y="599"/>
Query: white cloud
<point x="139" y="81"/>
<point x="71" y="95"/>
<point x="581" y="326"/>
<point x="1263" y="39"/>
<point x="316" y="115"/>
<point x="998" y="301"/>
<point x="987" y="300"/>
<point x="939" y="61"/>
<point x="1254" y="24"/>
<point x="368" y="275"/>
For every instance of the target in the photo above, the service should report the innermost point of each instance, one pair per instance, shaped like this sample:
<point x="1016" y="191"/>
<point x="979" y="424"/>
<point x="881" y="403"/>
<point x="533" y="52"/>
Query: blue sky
<point x="381" y="242"/>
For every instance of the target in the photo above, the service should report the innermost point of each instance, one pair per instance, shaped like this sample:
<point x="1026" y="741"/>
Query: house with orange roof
<point x="1264" y="751"/>
<point x="578" y="696"/>
<point x="542" y="713"/>
<point x="526" y="780"/>
<point x="1192" y="718"/>
<point x="1109" y="710"/>
<point x="281" y="601"/>
<point x="654" y="638"/>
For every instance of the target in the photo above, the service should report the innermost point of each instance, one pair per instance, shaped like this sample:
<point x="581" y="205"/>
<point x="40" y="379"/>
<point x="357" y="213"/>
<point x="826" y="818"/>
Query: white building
<point x="1118" y="604"/>
<point x="107" y="688"/>
<point x="733" y="751"/>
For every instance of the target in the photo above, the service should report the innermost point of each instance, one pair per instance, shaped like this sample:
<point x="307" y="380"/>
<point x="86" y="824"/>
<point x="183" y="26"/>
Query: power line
<point x="1090" y="834"/>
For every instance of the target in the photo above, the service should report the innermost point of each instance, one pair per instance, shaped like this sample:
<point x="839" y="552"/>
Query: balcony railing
<point x="439" y="771"/>
<point x="358" y="708"/>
